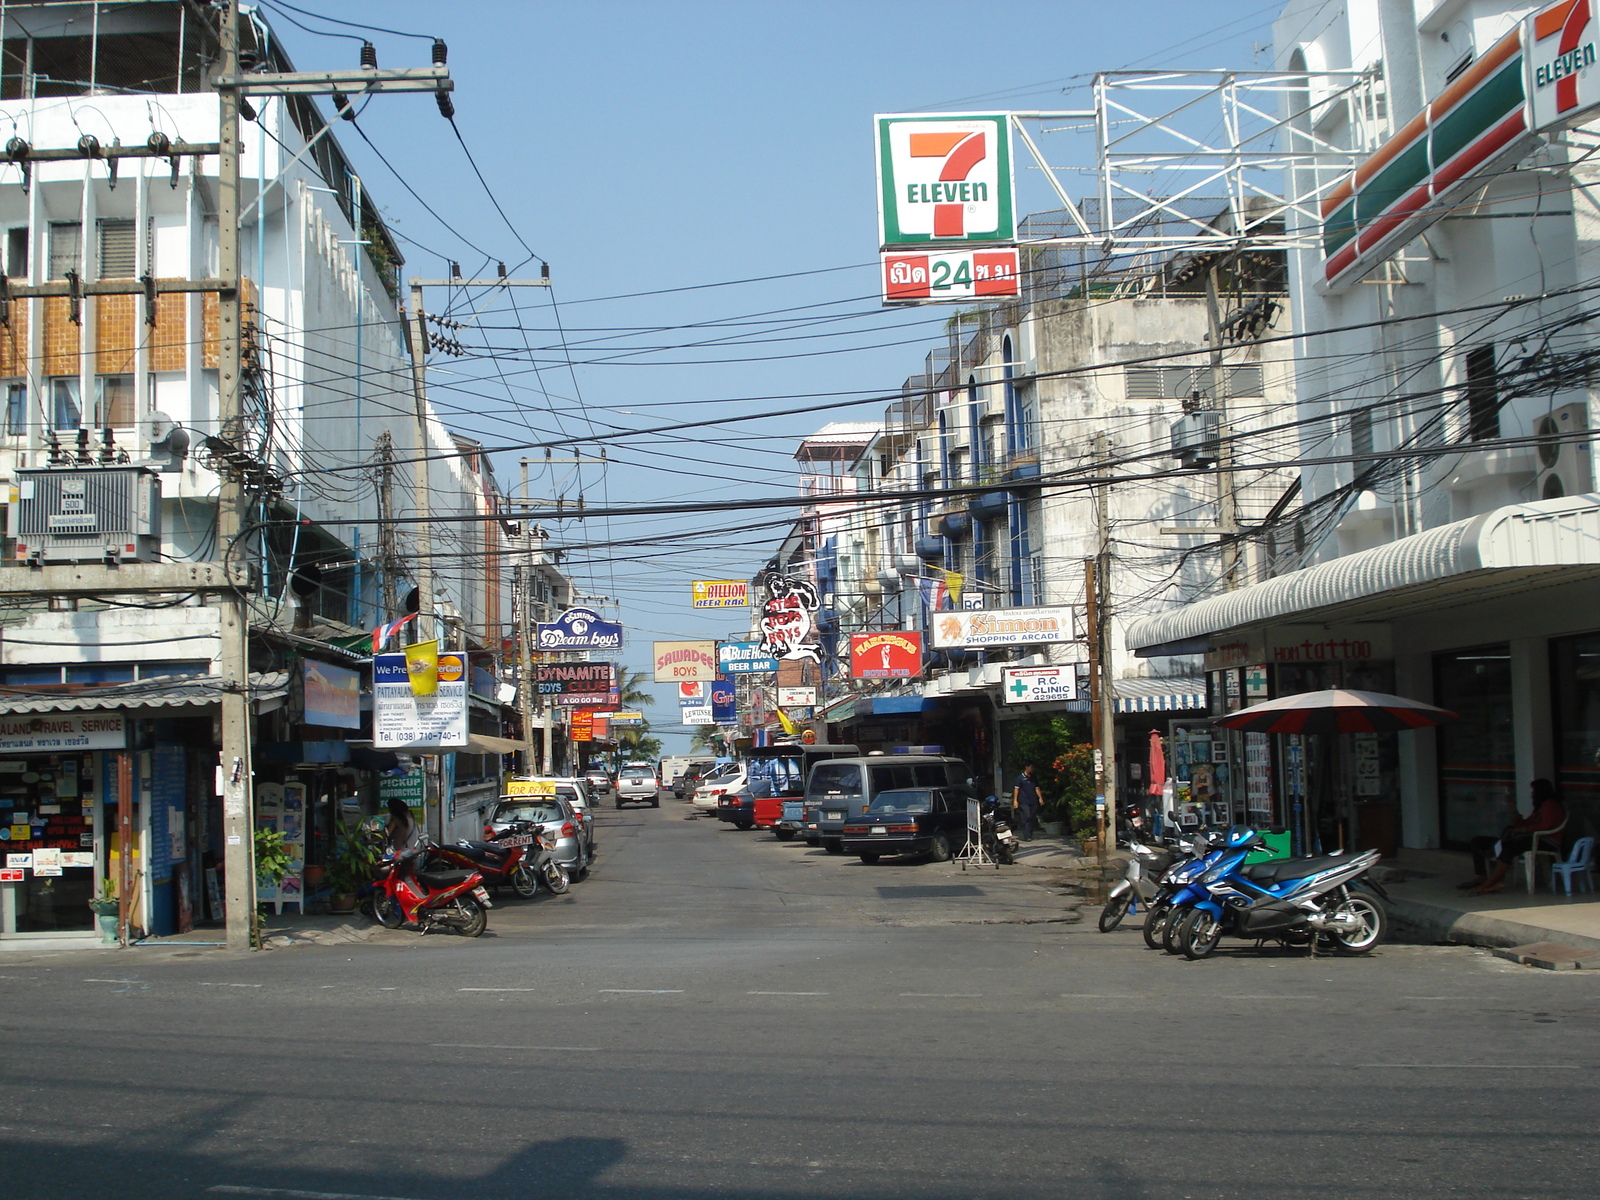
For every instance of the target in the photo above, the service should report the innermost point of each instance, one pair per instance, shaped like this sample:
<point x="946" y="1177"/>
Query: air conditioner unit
<point x="1564" y="459"/>
<point x="88" y="514"/>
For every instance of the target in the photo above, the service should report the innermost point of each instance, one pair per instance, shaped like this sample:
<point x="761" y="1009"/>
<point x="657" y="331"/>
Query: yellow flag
<point x="422" y="665"/>
<point x="789" y="726"/>
<point x="952" y="584"/>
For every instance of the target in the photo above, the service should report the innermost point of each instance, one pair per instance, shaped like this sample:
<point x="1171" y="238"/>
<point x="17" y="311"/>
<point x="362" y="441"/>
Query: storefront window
<point x="1477" y="773"/>
<point x="1575" y="676"/>
<point x="47" y="821"/>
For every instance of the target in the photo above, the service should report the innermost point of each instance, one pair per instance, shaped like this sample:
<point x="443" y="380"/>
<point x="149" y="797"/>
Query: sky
<point x="657" y="156"/>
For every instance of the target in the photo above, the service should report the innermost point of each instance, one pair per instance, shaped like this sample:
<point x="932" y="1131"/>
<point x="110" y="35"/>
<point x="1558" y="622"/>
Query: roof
<point x="1497" y="553"/>
<point x="189" y="691"/>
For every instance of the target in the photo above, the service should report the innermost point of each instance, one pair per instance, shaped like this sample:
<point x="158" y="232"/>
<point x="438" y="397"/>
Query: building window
<point x="17" y="252"/>
<point x="66" y="249"/>
<point x="65" y="410"/>
<point x="1483" y="394"/>
<point x="113" y="401"/>
<point x="1180" y="383"/>
<point x="100" y="672"/>
<point x="16" y="396"/>
<point x="1477" y="769"/>
<point x="119" y="254"/>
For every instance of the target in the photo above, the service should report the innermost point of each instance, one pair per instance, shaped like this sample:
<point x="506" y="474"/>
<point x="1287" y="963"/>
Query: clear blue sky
<point x="639" y="147"/>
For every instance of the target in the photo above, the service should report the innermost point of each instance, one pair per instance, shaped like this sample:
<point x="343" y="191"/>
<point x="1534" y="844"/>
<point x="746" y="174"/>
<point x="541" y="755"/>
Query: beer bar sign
<point x="720" y="593"/>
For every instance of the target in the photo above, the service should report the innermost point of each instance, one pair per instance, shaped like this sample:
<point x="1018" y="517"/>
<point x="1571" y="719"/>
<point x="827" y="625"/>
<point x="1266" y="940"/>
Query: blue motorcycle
<point x="1322" y="900"/>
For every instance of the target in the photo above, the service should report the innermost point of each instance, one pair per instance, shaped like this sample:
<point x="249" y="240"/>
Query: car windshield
<point x="723" y="771"/>
<point x="570" y="795"/>
<point x="908" y="801"/>
<point x="841" y="778"/>
<point x="528" y="810"/>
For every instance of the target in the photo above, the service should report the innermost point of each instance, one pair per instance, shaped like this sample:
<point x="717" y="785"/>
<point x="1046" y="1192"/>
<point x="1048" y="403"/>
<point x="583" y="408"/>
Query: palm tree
<point x="630" y="689"/>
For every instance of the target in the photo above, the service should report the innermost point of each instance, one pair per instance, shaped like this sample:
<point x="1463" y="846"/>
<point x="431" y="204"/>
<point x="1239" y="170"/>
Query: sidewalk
<point x="1427" y="903"/>
<point x="284" y="931"/>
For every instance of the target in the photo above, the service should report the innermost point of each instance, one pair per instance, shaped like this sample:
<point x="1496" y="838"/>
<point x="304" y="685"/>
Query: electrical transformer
<point x="87" y="514"/>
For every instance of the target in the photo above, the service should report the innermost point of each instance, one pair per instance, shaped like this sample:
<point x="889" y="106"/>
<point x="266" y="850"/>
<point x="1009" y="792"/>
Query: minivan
<point x="839" y="788"/>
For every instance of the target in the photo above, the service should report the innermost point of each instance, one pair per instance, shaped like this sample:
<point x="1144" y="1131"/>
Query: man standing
<point x="1025" y="799"/>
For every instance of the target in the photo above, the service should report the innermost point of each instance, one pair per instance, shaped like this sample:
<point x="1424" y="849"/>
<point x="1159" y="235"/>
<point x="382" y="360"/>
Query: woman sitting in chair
<point x="1492" y="857"/>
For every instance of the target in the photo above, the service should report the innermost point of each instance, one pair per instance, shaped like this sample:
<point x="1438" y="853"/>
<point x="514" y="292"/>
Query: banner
<point x="967" y="629"/>
<point x="402" y="720"/>
<point x="685" y="662"/>
<point x="889" y="654"/>
<point x="720" y="593"/>
<point x="724" y="710"/>
<point x="422" y="667"/>
<point x="332" y="695"/>
<point x="744" y="658"/>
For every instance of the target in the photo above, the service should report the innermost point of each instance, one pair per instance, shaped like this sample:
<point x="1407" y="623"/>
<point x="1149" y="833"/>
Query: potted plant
<point x="351" y="868"/>
<point x="105" y="907"/>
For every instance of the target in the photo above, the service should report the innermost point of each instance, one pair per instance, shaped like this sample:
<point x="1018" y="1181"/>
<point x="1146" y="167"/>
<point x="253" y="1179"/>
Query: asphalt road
<point x="716" y="1014"/>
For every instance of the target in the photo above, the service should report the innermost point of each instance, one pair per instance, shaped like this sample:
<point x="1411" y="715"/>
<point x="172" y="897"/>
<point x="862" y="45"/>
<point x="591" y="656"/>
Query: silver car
<point x="557" y="822"/>
<point x="638" y="785"/>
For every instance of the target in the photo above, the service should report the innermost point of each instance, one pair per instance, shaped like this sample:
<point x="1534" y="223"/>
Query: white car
<point x="729" y="777"/>
<point x="638" y="785"/>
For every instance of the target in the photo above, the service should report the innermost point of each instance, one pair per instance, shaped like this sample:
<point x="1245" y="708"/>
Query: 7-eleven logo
<point x="1570" y="20"/>
<point x="945" y="178"/>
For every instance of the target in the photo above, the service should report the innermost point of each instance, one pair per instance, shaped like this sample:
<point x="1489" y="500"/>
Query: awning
<point x="1160" y="695"/>
<point x="187" y="691"/>
<point x="1502" y="552"/>
<point x="482" y="743"/>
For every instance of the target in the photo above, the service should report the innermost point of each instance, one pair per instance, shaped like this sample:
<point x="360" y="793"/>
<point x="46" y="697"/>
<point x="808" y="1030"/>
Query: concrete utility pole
<point x="1227" y="500"/>
<point x="1102" y="689"/>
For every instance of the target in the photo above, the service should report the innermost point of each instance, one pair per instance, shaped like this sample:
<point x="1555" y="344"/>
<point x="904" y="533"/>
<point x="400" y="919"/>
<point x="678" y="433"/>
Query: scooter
<point x="1321" y="900"/>
<point x="519" y="857"/>
<point x="999" y="837"/>
<point x="1139" y="887"/>
<point x="408" y="893"/>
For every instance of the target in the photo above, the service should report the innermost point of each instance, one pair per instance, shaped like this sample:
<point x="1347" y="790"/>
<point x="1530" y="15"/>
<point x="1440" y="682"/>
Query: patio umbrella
<point x="1337" y="710"/>
<point x="1158" y="764"/>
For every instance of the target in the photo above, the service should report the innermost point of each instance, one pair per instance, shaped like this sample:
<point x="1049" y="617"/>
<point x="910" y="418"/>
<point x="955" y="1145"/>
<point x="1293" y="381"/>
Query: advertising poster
<point x="685" y="662"/>
<point x="404" y="721"/>
<point x="889" y="654"/>
<point x="332" y="695"/>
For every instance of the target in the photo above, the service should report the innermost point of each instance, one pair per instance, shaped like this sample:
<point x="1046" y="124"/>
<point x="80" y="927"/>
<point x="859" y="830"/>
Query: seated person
<point x="1492" y="864"/>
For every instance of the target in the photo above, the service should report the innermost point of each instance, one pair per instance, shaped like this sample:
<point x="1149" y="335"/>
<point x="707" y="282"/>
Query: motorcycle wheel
<point x="1116" y="908"/>
<point x="470" y="918"/>
<point x="555" y="878"/>
<point x="1374" y="922"/>
<point x="1200" y="935"/>
<point x="1172" y="928"/>
<point x="1155" y="925"/>
<point x="524" y="882"/>
<point x="386" y="911"/>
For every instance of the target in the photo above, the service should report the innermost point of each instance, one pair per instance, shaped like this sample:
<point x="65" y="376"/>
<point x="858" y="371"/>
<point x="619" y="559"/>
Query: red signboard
<point x="582" y="727"/>
<point x="890" y="654"/>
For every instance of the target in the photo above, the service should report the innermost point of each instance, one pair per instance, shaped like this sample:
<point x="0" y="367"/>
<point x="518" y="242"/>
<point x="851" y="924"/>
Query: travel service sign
<point x="402" y="720"/>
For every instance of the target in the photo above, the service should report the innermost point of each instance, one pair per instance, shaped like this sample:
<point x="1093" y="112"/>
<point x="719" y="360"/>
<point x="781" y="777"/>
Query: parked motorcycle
<point x="519" y="857"/>
<point x="408" y="892"/>
<point x="999" y="836"/>
<point x="1140" y="885"/>
<point x="1322" y="900"/>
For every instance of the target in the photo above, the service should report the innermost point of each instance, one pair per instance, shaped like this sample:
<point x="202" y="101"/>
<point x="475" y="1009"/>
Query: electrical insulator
<point x="17" y="149"/>
<point x="89" y="146"/>
<point x="447" y="109"/>
<point x="544" y="270"/>
<point x="369" y="55"/>
<point x="159" y="143"/>
<point x="246" y="109"/>
<point x="441" y="52"/>
<point x="341" y="105"/>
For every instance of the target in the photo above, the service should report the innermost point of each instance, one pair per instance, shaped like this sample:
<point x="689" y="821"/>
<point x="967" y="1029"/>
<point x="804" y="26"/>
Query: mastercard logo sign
<point x="450" y="668"/>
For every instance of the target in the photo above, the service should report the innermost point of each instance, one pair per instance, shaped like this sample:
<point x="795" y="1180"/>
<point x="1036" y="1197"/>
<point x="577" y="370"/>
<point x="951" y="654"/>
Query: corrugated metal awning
<point x="1183" y="694"/>
<point x="188" y="691"/>
<point x="1500" y="552"/>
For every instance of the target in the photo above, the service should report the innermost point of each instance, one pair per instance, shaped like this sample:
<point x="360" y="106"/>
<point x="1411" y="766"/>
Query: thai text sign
<point x="721" y="593"/>
<point x="46" y="732"/>
<point x="890" y="654"/>
<point x="579" y="629"/>
<point x="944" y="178"/>
<point x="578" y="685"/>
<point x="402" y="720"/>
<point x="332" y="695"/>
<point x="1003" y="627"/>
<point x="685" y="662"/>
<point x="1037" y="685"/>
<point x="744" y="658"/>
<point x="953" y="275"/>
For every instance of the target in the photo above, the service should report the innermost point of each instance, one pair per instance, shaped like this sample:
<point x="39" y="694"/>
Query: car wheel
<point x="868" y="858"/>
<point x="656" y="803"/>
<point x="744" y="825"/>
<point x="783" y="835"/>
<point x="939" y="848"/>
<point x="832" y="845"/>
<point x="619" y="803"/>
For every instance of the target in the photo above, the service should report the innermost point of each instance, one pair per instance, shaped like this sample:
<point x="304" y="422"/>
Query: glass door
<point x="47" y="816"/>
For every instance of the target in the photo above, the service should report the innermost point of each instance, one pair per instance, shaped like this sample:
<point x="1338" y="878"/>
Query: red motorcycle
<point x="405" y="891"/>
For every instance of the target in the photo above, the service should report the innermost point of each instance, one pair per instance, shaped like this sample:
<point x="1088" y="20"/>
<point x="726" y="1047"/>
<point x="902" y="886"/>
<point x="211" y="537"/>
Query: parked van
<point x="844" y="787"/>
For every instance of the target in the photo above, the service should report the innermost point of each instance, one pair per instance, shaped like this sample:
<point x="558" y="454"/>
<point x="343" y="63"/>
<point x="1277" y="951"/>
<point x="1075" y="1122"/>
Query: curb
<point x="1440" y="924"/>
<point x="344" y="935"/>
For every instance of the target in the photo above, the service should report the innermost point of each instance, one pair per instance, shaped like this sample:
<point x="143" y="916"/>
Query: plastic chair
<point x="1580" y="863"/>
<point x="1551" y="850"/>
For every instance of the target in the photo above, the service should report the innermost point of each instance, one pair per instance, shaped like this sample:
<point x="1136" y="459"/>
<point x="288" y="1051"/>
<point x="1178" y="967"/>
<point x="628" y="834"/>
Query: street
<point x="714" y="1013"/>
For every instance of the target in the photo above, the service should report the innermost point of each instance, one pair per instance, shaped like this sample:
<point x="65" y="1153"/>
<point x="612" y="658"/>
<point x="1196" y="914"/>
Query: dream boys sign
<point x="579" y="629"/>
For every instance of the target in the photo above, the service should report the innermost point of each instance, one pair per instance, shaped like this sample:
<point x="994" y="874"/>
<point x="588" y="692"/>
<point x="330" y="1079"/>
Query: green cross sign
<point x="1019" y="689"/>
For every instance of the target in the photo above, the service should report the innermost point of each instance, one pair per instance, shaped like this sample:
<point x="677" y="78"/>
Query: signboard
<point x="788" y="618"/>
<point x="691" y="691"/>
<point x="944" y="178"/>
<point x="530" y="787"/>
<point x="581" y="728"/>
<point x="332" y="695"/>
<point x="1560" y="42"/>
<point x="889" y="654"/>
<point x="721" y="593"/>
<point x="1003" y="627"/>
<point x="744" y="658"/>
<point x="410" y="789"/>
<point x="1302" y="644"/>
<point x="578" y="629"/>
<point x="600" y="727"/>
<point x="578" y="685"/>
<point x="797" y="697"/>
<point x="697" y="714"/>
<point x="404" y="721"/>
<point x="49" y="732"/>
<point x="724" y="710"/>
<point x="685" y="662"/>
<point x="626" y="716"/>
<point x="1039" y="685"/>
<point x="950" y="275"/>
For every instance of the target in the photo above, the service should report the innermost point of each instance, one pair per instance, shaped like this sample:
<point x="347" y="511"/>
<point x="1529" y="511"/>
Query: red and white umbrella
<point x="1337" y="710"/>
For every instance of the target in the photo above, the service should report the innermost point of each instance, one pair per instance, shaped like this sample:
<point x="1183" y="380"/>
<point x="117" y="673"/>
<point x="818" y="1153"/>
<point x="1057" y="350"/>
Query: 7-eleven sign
<point x="945" y="178"/>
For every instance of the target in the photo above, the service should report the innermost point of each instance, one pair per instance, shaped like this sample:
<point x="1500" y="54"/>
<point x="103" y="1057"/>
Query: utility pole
<point x="388" y="559"/>
<point x="1102" y="688"/>
<point x="526" y="684"/>
<point x="1227" y="500"/>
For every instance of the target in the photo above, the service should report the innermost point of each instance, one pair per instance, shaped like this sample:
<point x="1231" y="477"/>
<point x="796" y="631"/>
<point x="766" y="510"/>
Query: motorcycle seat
<point x="1293" y="868"/>
<point x="439" y="880"/>
<point x="486" y="852"/>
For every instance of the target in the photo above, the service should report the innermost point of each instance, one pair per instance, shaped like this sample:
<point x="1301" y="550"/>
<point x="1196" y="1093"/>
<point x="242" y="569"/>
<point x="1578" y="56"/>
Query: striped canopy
<point x="1336" y="710"/>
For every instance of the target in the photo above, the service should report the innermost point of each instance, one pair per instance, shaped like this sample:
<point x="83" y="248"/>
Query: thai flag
<point x="383" y="633"/>
<point x="758" y="738"/>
